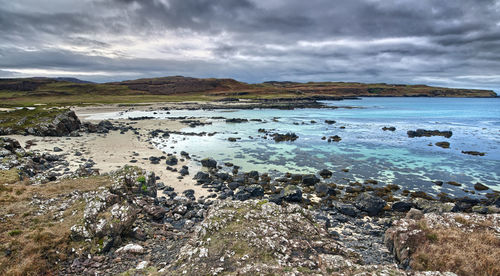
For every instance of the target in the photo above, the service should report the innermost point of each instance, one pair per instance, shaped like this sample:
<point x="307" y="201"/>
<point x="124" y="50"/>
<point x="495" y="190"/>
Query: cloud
<point x="451" y="43"/>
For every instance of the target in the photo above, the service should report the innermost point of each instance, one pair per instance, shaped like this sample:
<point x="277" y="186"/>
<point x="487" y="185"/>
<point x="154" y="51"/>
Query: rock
<point x="171" y="160"/>
<point x="202" y="177"/>
<point x="184" y="171"/>
<point x="475" y="153"/>
<point x="402" y="206"/>
<point x="369" y="203"/>
<point x="309" y="180"/>
<point x="236" y="120"/>
<point x="325" y="173"/>
<point x="330" y="122"/>
<point x="254" y="175"/>
<point x="255" y="190"/>
<point x="233" y="185"/>
<point x="480" y="187"/>
<point x="444" y="145"/>
<point x="209" y="163"/>
<point x="347" y="209"/>
<point x="291" y="193"/>
<point x="334" y="138"/>
<point x="142" y="265"/>
<point x="389" y="128"/>
<point x="242" y="195"/>
<point x="428" y="133"/>
<point x="130" y="248"/>
<point x="57" y="149"/>
<point x="277" y="137"/>
<point x="414" y="214"/>
<point x="322" y="189"/>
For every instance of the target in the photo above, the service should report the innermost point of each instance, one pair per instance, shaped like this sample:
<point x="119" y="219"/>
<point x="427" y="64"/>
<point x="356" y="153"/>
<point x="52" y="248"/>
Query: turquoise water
<point x="365" y="150"/>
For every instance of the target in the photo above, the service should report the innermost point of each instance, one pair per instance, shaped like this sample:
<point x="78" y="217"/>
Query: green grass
<point x="21" y="119"/>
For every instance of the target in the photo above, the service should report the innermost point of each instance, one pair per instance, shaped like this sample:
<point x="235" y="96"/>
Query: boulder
<point x="309" y="180"/>
<point x="171" y="160"/>
<point x="209" y="163"/>
<point x="291" y="193"/>
<point x="325" y="173"/>
<point x="369" y="203"/>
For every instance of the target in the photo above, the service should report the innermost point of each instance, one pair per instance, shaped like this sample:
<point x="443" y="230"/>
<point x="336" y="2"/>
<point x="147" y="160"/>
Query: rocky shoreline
<point x="247" y="223"/>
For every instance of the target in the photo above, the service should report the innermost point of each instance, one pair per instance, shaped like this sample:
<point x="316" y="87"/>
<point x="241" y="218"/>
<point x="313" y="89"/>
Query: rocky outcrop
<point x="284" y="137"/>
<point x="429" y="133"/>
<point x="259" y="237"/>
<point x="62" y="125"/>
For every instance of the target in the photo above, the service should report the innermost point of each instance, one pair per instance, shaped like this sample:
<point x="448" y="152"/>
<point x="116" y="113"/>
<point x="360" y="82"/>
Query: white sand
<point x="115" y="150"/>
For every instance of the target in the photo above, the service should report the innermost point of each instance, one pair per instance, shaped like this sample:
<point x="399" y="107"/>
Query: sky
<point x="454" y="43"/>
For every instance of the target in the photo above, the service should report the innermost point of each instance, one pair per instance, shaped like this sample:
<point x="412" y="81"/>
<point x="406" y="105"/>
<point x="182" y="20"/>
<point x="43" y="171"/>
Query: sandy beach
<point x="114" y="150"/>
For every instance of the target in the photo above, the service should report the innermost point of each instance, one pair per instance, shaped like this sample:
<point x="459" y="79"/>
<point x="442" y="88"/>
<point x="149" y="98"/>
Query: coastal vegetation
<point x="29" y="91"/>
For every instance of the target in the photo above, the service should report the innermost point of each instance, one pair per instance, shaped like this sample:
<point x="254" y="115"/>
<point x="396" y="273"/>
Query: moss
<point x="141" y="179"/>
<point x="16" y="232"/>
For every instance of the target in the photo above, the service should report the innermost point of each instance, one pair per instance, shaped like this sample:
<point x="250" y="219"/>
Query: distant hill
<point x="25" y="91"/>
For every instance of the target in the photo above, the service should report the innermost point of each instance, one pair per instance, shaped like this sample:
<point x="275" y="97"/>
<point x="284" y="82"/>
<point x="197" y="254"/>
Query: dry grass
<point x="33" y="243"/>
<point x="457" y="250"/>
<point x="8" y="177"/>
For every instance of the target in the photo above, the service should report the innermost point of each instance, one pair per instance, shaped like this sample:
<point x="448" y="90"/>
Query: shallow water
<point x="366" y="150"/>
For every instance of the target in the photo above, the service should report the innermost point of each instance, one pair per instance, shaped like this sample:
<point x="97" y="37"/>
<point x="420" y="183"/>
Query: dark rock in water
<point x="209" y="163"/>
<point x="369" y="203"/>
<point x="171" y="160"/>
<point x="421" y="194"/>
<point x="233" y="139"/>
<point x="475" y="153"/>
<point x="454" y="183"/>
<point x="57" y="149"/>
<point x="330" y="122"/>
<point x="334" y="138"/>
<point x="439" y="183"/>
<point x="325" y="173"/>
<point x="389" y="128"/>
<point x="236" y="120"/>
<point x="428" y="133"/>
<point x="402" y="206"/>
<point x="284" y="137"/>
<point x="444" y="145"/>
<point x="185" y="154"/>
<point x="309" y="180"/>
<point x="291" y="193"/>
<point x="480" y="187"/>
<point x="371" y="181"/>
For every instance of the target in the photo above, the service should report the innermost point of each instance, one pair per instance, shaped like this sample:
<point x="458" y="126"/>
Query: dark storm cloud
<point x="437" y="42"/>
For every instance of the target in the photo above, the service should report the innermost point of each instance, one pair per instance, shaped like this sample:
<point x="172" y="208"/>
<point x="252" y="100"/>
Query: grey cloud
<point x="257" y="40"/>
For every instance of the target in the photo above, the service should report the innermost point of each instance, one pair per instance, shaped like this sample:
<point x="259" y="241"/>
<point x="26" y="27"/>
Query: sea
<point x="365" y="151"/>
